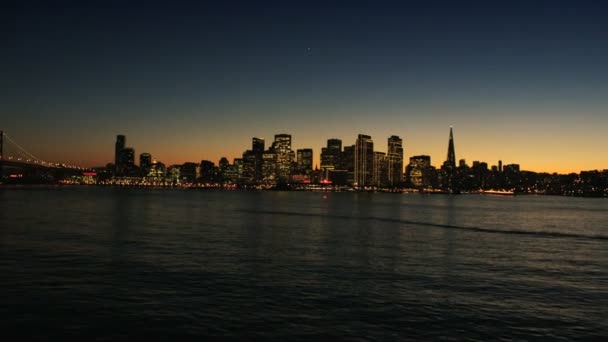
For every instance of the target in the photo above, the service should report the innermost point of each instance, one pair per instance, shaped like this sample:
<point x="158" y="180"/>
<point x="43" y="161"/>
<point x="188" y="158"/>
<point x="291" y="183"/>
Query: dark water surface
<point x="109" y="263"/>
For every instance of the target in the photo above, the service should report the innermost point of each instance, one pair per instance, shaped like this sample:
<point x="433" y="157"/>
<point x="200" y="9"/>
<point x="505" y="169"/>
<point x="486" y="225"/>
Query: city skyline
<point x="522" y="83"/>
<point x="134" y="154"/>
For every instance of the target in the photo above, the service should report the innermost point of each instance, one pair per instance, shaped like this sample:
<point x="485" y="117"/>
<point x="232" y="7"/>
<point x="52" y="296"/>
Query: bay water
<point x="108" y="263"/>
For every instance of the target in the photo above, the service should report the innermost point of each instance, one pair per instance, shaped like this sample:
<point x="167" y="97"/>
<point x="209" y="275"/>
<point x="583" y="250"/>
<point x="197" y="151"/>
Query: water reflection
<point x="289" y="266"/>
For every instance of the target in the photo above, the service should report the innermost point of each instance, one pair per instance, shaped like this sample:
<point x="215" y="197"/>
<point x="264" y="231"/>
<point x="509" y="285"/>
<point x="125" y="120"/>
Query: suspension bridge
<point x="17" y="163"/>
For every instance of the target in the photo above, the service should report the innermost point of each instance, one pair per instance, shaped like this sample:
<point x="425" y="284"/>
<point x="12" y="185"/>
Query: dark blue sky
<point x="188" y="81"/>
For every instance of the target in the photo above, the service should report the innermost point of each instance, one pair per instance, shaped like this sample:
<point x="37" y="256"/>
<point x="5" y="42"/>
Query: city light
<point x="356" y="167"/>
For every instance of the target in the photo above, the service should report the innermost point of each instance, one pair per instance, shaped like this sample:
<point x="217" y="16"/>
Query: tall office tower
<point x="304" y="157"/>
<point x="284" y="156"/>
<point x="330" y="155"/>
<point x="395" y="160"/>
<point x="448" y="170"/>
<point x="238" y="168"/>
<point x="347" y="162"/>
<point x="119" y="146"/>
<point x="127" y="161"/>
<point x="451" y="160"/>
<point x="417" y="171"/>
<point x="145" y="163"/>
<point x="379" y="169"/>
<point x="364" y="160"/>
<point x="334" y="144"/>
<point x="257" y="147"/>
<point x="269" y="167"/>
<point x="248" y="174"/>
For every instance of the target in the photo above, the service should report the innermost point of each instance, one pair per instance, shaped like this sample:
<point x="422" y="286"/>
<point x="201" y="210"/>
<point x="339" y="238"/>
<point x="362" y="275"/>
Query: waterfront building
<point x="269" y="167"/>
<point x="364" y="160"/>
<point x="145" y="163"/>
<point x="257" y="148"/>
<point x="284" y="156"/>
<point x="304" y="161"/>
<point x="394" y="157"/>
<point x="379" y="170"/>
<point x="418" y="171"/>
<point x="448" y="170"/>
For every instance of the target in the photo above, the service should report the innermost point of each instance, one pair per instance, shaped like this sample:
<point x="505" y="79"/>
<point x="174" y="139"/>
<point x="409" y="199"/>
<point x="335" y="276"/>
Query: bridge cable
<point x="22" y="149"/>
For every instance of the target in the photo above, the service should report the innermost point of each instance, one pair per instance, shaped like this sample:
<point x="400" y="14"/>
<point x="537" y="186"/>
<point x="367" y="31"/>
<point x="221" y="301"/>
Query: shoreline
<point x="198" y="187"/>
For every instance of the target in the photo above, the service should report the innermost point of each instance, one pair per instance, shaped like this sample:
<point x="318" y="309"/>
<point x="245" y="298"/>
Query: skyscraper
<point x="284" y="155"/>
<point x="379" y="169"/>
<point x="395" y="160"/>
<point x="248" y="174"/>
<point x="364" y="160"/>
<point x="347" y="162"/>
<point x="127" y="162"/>
<point x="451" y="160"/>
<point x="257" y="146"/>
<point x="269" y="167"/>
<point x="418" y="171"/>
<point x="448" y="170"/>
<point x="145" y="163"/>
<point x="119" y="146"/>
<point x="330" y="155"/>
<point x="304" y="157"/>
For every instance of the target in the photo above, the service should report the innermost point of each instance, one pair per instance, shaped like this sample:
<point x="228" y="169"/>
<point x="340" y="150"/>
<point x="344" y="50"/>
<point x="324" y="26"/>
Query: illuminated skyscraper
<point x="284" y="156"/>
<point x="395" y="160"/>
<point x="418" y="171"/>
<point x="304" y="157"/>
<point x="379" y="169"/>
<point x="248" y="174"/>
<point x="364" y="160"/>
<point x="331" y="155"/>
<point x="269" y="167"/>
<point x="251" y="169"/>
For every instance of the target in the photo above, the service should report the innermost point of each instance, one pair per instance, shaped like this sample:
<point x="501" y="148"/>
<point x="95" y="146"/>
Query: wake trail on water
<point x="436" y="225"/>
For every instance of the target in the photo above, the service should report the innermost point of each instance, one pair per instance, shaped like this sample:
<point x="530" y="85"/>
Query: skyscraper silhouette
<point x="257" y="146"/>
<point x="395" y="160"/>
<point x="364" y="160"/>
<point x="331" y="155"/>
<point x="448" y="170"/>
<point x="119" y="146"/>
<point x="451" y="154"/>
<point x="119" y="167"/>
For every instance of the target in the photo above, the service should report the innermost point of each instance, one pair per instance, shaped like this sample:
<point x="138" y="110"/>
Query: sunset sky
<point x="521" y="81"/>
